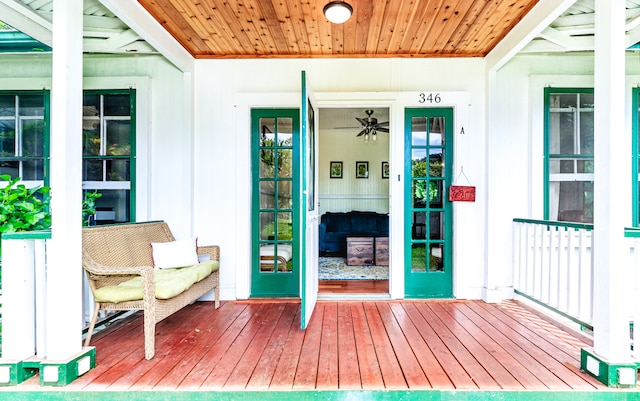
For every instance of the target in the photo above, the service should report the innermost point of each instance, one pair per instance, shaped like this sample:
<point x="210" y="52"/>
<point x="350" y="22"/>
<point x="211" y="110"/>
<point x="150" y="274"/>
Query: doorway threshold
<point x="353" y="297"/>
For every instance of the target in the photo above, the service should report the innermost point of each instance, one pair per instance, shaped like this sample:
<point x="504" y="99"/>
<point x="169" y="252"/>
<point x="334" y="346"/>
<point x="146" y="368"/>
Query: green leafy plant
<point x="27" y="209"/>
<point x="89" y="206"/>
<point x="22" y="208"/>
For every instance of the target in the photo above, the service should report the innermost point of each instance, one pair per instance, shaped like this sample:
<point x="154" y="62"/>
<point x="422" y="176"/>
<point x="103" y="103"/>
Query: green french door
<point x="275" y="157"/>
<point x="428" y="213"/>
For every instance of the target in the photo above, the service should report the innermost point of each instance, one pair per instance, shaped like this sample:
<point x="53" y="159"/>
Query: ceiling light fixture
<point x="337" y="12"/>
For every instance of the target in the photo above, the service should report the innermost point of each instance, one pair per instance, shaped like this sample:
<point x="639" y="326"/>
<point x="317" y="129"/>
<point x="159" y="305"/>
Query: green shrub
<point x="22" y="208"/>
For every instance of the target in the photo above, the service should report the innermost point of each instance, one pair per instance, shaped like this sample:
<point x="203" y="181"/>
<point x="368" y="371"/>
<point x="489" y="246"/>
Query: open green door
<point x="308" y="209"/>
<point x="275" y="154"/>
<point x="428" y="212"/>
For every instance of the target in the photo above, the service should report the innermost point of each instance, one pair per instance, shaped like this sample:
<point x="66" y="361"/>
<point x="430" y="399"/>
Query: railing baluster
<point x="567" y="283"/>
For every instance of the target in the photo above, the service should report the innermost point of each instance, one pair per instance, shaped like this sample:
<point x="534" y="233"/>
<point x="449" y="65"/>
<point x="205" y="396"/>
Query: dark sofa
<point x="335" y="227"/>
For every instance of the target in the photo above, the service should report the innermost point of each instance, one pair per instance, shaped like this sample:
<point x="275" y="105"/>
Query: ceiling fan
<point x="371" y="126"/>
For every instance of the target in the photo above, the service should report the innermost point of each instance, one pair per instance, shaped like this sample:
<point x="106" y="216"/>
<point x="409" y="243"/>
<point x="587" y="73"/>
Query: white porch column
<point x="612" y="192"/>
<point x="64" y="261"/>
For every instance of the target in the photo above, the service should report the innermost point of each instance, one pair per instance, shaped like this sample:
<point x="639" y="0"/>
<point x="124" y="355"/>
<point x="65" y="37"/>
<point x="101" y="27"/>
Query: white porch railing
<point x="24" y="295"/>
<point x="553" y="266"/>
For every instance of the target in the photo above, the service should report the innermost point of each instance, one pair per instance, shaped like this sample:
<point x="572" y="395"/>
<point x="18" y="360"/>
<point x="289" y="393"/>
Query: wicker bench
<point x="114" y="254"/>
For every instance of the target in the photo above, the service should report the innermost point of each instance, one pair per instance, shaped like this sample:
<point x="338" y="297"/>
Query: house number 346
<point x="429" y="97"/>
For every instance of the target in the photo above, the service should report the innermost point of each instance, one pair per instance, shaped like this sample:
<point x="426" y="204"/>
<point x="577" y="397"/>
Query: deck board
<point x="435" y="374"/>
<point x="348" y="345"/>
<point x="348" y="368"/>
<point x="389" y="366"/>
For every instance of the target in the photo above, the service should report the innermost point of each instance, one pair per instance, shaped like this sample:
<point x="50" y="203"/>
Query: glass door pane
<point x="274" y="270"/>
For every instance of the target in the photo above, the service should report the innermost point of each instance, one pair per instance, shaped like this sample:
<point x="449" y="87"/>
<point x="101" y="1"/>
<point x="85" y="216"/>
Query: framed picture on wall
<point x="362" y="169"/>
<point x="385" y="170"/>
<point x="335" y="169"/>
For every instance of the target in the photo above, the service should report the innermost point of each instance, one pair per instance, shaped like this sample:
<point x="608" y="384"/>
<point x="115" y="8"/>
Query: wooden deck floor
<point x="349" y="345"/>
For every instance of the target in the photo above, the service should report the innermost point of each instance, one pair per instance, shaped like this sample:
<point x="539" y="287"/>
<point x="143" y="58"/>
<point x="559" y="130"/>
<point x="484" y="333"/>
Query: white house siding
<point x="164" y="146"/>
<point x="515" y="149"/>
<point x="225" y="91"/>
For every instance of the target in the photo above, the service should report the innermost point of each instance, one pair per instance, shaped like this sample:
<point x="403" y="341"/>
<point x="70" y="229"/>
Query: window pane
<point x="419" y="131"/>
<point x="586" y="133"/>
<point x="267" y="194"/>
<point x="267" y="225"/>
<point x="118" y="138"/>
<point x="435" y="193"/>
<point x="419" y="192"/>
<point x="285" y="221"/>
<point x="118" y="170"/>
<point x="267" y="162"/>
<point x="419" y="163"/>
<point x="574" y="200"/>
<point x="285" y="163"/>
<point x="7" y="138"/>
<point x="436" y="224"/>
<point x="436" y="158"/>
<point x="419" y="228"/>
<point x="113" y="206"/>
<point x="7" y="105"/>
<point x="285" y="194"/>
<point x="267" y="129"/>
<point x="10" y="167"/>
<point x="91" y="105"/>
<point x="31" y="105"/>
<point x="117" y="105"/>
<point x="435" y="257"/>
<point x="585" y="166"/>
<point x="418" y="257"/>
<point x="436" y="131"/>
<point x="32" y="138"/>
<point x="285" y="132"/>
<point x="90" y="137"/>
<point x="33" y="170"/>
<point x="92" y="170"/>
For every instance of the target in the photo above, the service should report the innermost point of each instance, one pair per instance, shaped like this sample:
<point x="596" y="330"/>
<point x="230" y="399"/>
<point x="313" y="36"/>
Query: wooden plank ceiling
<point x="377" y="28"/>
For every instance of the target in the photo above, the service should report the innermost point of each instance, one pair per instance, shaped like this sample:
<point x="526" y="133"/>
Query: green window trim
<point x="130" y="158"/>
<point x="103" y="154"/>
<point x="580" y="159"/>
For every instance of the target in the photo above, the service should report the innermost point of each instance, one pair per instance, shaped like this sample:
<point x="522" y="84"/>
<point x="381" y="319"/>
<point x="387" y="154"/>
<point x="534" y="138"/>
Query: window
<point x="108" y="148"/>
<point x="569" y="154"/>
<point x="24" y="131"/>
<point x="108" y="145"/>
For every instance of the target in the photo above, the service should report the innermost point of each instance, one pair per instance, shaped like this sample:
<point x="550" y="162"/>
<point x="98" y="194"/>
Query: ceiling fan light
<point x="374" y="136"/>
<point x="337" y="12"/>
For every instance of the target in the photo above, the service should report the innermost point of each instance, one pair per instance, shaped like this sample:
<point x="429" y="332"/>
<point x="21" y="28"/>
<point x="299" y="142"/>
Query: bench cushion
<point x="168" y="283"/>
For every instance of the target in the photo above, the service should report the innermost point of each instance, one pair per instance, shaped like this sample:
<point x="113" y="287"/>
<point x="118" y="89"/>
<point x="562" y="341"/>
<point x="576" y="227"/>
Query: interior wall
<point x="348" y="192"/>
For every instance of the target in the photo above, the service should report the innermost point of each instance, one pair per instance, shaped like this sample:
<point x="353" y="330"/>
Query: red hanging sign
<point x="460" y="193"/>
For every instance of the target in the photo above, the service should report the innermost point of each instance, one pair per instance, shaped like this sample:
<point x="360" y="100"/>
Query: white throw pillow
<point x="180" y="253"/>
